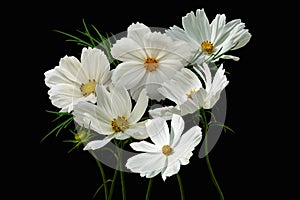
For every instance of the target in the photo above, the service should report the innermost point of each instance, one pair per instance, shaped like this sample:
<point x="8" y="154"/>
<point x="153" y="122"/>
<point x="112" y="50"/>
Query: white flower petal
<point x="127" y="49"/>
<point x="241" y="39"/>
<point x="91" y="116"/>
<point x="177" y="88"/>
<point x="173" y="64"/>
<point x="204" y="72"/>
<point x="189" y="140"/>
<point x="146" y="164"/>
<point x="104" y="100"/>
<point x="129" y="74"/>
<point x="173" y="93"/>
<point x="64" y="96"/>
<point x="94" y="63"/>
<point x="213" y="100"/>
<point x="158" y="131"/>
<point x="120" y="101"/>
<point x="138" y="131"/>
<point x="144" y="146"/>
<point x="189" y="106"/>
<point x="55" y="77"/>
<point x="71" y="68"/>
<point x="135" y="92"/>
<point x="200" y="98"/>
<point x="197" y="26"/>
<point x="164" y="112"/>
<point x="202" y="24"/>
<point x="219" y="82"/>
<point x="179" y="34"/>
<point x="172" y="168"/>
<point x="137" y="32"/>
<point x="217" y="25"/>
<point x="121" y="136"/>
<point x="177" y="126"/>
<point x="225" y="33"/>
<point x="139" y="108"/>
<point x="157" y="45"/>
<point x="167" y="71"/>
<point x="235" y="58"/>
<point x="97" y="144"/>
<point x="153" y="82"/>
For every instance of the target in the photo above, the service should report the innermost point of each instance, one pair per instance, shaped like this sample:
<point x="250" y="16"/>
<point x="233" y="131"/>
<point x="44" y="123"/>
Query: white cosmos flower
<point x="167" y="152"/>
<point x="179" y="90"/>
<point x="207" y="97"/>
<point x="199" y="96"/>
<point x="148" y="59"/>
<point x="112" y="116"/>
<point x="215" y="38"/>
<point x="73" y="81"/>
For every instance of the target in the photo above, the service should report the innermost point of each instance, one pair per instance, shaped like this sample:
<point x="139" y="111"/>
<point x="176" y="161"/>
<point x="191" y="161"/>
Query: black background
<point x="46" y="171"/>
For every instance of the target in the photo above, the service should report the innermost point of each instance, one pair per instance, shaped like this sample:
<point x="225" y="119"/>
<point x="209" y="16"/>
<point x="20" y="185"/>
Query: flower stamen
<point x="207" y="46"/>
<point x="119" y="124"/>
<point x="166" y="149"/>
<point x="88" y="88"/>
<point x="189" y="95"/>
<point x="151" y="64"/>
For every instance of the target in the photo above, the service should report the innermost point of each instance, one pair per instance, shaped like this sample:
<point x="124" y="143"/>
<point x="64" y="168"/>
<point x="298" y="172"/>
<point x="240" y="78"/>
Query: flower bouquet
<point x="144" y="100"/>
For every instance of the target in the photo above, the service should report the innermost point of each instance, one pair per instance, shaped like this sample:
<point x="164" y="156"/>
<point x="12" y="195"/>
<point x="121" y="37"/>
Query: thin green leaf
<point x="75" y="38"/>
<point x="225" y="128"/>
<point x="88" y="33"/>
<point x="59" y="127"/>
<point x="99" y="188"/>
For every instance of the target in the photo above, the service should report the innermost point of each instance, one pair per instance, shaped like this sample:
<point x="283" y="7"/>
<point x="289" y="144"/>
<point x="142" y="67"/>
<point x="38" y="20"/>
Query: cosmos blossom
<point x="148" y="59"/>
<point x="73" y="81"/>
<point x="210" y="40"/>
<point x="112" y="116"/>
<point x="188" y="93"/>
<point x="168" y="151"/>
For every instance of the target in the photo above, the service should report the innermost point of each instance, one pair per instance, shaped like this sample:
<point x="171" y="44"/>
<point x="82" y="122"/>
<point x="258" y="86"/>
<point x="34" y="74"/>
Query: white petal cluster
<point x="168" y="151"/>
<point x="210" y="41"/>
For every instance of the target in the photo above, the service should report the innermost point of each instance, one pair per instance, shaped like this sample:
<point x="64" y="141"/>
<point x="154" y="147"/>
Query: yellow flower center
<point x="189" y="95"/>
<point x="119" y="124"/>
<point x="166" y="149"/>
<point x="151" y="64"/>
<point x="207" y="46"/>
<point x="88" y="88"/>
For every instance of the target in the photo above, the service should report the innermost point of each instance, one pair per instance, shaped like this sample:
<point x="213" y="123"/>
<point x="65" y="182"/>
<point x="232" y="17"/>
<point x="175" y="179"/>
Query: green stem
<point x="123" y="185"/>
<point x="122" y="173"/>
<point x="112" y="186"/>
<point x="103" y="178"/>
<point x="180" y="186"/>
<point x="205" y="124"/>
<point x="149" y="188"/>
<point x="118" y="169"/>
<point x="213" y="177"/>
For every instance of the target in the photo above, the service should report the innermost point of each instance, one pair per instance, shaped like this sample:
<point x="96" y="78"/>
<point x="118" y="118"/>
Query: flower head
<point x="148" y="59"/>
<point x="189" y="94"/>
<point x="112" y="116"/>
<point x="168" y="151"/>
<point x="207" y="96"/>
<point x="179" y="89"/>
<point x="73" y="81"/>
<point x="211" y="40"/>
